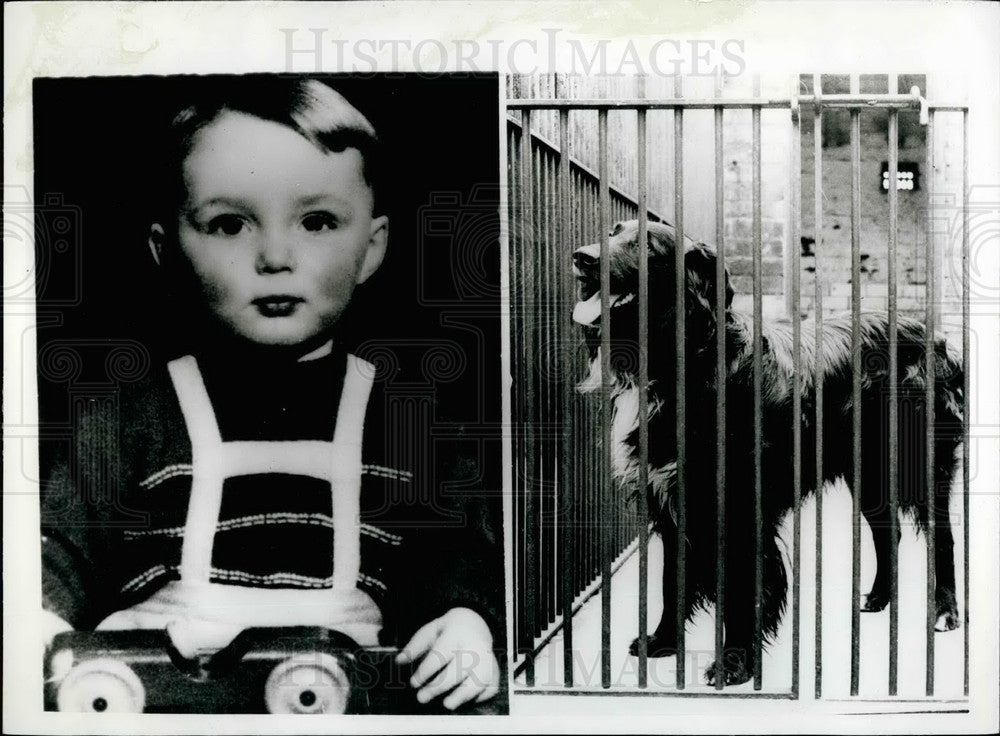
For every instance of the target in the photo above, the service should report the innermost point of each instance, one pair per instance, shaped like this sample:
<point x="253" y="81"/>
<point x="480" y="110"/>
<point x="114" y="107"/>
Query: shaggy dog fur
<point x="834" y="368"/>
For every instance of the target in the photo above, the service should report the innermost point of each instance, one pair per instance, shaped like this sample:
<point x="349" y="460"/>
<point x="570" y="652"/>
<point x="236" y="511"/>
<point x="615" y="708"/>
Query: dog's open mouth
<point x="586" y="266"/>
<point x="588" y="311"/>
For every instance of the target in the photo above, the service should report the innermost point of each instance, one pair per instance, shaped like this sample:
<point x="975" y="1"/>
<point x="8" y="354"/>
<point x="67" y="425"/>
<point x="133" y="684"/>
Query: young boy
<point x="263" y="480"/>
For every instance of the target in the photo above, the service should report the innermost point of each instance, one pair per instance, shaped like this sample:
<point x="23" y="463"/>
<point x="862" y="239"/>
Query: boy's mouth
<point x="277" y="305"/>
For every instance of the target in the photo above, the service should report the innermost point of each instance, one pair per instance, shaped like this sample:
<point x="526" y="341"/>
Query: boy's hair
<point x="312" y="109"/>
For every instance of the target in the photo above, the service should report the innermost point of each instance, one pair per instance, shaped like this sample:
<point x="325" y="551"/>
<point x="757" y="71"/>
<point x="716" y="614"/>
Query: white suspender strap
<point x="207" y="474"/>
<point x="212" y="461"/>
<point x="345" y="472"/>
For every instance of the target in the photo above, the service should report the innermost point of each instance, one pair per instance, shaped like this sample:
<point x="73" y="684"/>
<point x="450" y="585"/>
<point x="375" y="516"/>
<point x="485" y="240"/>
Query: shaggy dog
<point x="835" y="369"/>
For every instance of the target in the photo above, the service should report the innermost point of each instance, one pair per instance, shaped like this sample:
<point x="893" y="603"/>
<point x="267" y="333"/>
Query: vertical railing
<point x="758" y="387"/>
<point x="565" y="516"/>
<point x="528" y="285"/>
<point x="893" y="399"/>
<point x="819" y="363"/>
<point x="965" y="390"/>
<point x="571" y="525"/>
<point x="567" y="486"/>
<point x="605" y="409"/>
<point x="931" y="490"/>
<point x="643" y="507"/>
<point x="795" y="206"/>
<point x="720" y="396"/>
<point x="681" y="391"/>
<point x="855" y="388"/>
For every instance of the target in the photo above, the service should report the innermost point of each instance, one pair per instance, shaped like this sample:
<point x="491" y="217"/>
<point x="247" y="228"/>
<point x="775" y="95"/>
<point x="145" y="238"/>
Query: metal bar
<point x="550" y="302"/>
<point x="642" y="506"/>
<point x="594" y="412"/>
<point x="849" y="101"/>
<point x="679" y="292"/>
<point x="541" y="289"/>
<point x="542" y="391"/>
<point x="860" y="102"/>
<point x="893" y="404"/>
<point x="529" y="390"/>
<point x="730" y="104"/>
<point x="856" y="388"/>
<point x="720" y="398"/>
<point x="648" y="104"/>
<point x="555" y="381"/>
<point x="795" y="207"/>
<point x="818" y="369"/>
<point x="758" y="421"/>
<point x="602" y="135"/>
<point x="566" y="477"/>
<point x="929" y="367"/>
<point x="516" y="408"/>
<point x="584" y="405"/>
<point x="580" y="436"/>
<point x="965" y="383"/>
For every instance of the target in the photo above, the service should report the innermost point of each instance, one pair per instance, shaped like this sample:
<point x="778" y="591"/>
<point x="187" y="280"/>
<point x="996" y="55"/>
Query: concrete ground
<point x="777" y="663"/>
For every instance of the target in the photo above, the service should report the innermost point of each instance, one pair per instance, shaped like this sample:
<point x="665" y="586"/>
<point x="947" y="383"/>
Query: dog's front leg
<point x="737" y="656"/>
<point x="663" y="641"/>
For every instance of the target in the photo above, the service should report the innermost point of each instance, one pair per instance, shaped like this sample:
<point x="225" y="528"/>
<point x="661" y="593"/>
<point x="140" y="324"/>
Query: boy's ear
<point x="155" y="241"/>
<point x="376" y="248"/>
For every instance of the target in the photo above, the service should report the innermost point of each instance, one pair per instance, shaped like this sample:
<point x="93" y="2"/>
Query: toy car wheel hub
<point x="101" y="686"/>
<point x="308" y="683"/>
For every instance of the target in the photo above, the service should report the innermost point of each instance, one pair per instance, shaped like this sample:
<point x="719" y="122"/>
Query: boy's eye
<point x="318" y="221"/>
<point x="229" y="225"/>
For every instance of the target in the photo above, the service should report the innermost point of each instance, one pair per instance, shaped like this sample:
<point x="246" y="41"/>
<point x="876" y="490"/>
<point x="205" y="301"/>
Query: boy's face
<point x="277" y="231"/>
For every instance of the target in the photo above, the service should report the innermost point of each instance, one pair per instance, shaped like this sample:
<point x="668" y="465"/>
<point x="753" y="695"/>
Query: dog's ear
<point x="700" y="268"/>
<point x="660" y="239"/>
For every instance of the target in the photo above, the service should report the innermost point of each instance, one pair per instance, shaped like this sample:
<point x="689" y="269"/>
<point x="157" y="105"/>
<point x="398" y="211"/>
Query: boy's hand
<point x="457" y="652"/>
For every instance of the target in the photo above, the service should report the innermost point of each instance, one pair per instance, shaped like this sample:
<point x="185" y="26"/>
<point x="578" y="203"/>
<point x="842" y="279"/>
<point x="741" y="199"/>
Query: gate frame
<point x="854" y="102"/>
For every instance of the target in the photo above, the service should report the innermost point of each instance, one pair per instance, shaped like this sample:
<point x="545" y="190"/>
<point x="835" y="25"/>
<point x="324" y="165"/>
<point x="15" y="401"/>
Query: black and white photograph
<point x="702" y="392"/>
<point x="272" y="481"/>
<point x="509" y="366"/>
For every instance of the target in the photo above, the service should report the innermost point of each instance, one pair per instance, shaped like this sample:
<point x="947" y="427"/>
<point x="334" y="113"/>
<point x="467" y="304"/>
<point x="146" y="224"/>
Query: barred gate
<point x="572" y="529"/>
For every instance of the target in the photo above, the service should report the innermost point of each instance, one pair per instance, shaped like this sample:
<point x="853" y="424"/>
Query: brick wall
<point x="835" y="253"/>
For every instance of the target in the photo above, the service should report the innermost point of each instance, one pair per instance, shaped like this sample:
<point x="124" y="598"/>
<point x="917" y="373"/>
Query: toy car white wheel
<point x="307" y="683"/>
<point x="101" y="686"/>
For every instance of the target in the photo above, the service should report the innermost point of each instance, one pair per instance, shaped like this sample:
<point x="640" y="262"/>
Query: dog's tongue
<point x="589" y="311"/>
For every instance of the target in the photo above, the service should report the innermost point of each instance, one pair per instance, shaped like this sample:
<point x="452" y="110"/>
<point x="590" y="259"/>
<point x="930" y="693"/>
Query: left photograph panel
<point x="268" y="364"/>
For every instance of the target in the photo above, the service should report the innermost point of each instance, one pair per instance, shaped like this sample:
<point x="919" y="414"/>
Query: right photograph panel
<point x="739" y="339"/>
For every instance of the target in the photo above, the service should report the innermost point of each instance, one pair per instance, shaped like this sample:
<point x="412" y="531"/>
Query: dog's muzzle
<point x="588" y="311"/>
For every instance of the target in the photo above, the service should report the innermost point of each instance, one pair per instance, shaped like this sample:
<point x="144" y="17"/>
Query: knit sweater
<point x="119" y="506"/>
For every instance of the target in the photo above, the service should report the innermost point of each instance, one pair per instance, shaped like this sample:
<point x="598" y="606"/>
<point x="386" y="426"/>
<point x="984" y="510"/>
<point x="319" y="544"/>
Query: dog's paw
<point x="656" y="646"/>
<point x="874" y="601"/>
<point x="735" y="667"/>
<point x="947" y="611"/>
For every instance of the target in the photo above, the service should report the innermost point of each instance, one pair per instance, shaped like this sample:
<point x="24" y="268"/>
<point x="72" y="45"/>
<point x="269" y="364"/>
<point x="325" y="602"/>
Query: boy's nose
<point x="274" y="254"/>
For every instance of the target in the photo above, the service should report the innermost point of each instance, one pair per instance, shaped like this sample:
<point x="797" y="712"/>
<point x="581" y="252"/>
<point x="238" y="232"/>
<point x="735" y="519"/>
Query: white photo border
<point x="89" y="38"/>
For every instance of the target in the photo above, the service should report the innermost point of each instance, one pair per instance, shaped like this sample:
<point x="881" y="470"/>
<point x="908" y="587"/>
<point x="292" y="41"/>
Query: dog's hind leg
<point x="663" y="641"/>
<point x="944" y="547"/>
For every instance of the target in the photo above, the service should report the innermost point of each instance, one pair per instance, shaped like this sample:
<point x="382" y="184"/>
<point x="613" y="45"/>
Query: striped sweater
<point x="120" y="519"/>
